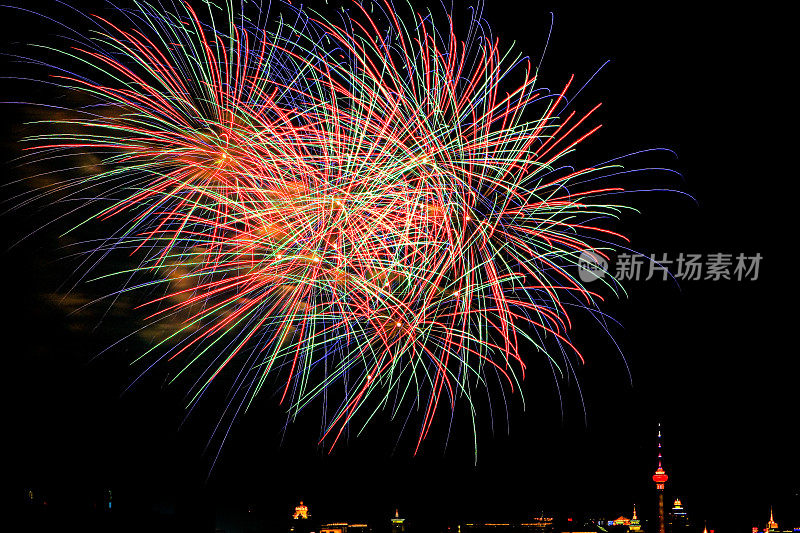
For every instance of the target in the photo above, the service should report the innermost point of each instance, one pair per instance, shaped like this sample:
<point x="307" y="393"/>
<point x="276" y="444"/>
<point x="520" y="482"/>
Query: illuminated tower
<point x="398" y="524"/>
<point x="636" y="524"/>
<point x="772" y="525"/>
<point x="660" y="478"/>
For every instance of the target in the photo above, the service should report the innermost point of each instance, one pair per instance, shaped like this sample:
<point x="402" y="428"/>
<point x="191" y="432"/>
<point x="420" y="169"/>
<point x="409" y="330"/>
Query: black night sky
<point x="712" y="360"/>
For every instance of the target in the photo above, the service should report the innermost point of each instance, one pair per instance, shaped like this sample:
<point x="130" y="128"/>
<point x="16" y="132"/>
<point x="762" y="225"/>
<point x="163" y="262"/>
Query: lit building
<point x="344" y="527"/>
<point x="301" y="520"/>
<point x="621" y="524"/>
<point x="398" y="524"/>
<point x="636" y="524"/>
<point x="772" y="525"/>
<point x="358" y="528"/>
<point x="543" y="523"/>
<point x="333" y="528"/>
<point x="301" y="512"/>
<point x="678" y="519"/>
<point x="660" y="479"/>
<point x="507" y="527"/>
<point x="620" y="521"/>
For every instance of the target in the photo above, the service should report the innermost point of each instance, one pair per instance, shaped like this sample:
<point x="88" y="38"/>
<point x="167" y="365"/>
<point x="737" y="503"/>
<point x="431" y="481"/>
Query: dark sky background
<point x="713" y="361"/>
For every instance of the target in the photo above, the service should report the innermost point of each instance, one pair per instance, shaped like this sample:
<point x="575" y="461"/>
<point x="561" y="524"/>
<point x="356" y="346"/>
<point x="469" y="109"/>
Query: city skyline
<point x="232" y="511"/>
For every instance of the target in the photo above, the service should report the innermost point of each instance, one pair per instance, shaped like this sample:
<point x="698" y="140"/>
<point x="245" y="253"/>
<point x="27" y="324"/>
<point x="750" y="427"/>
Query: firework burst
<point x="365" y="206"/>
